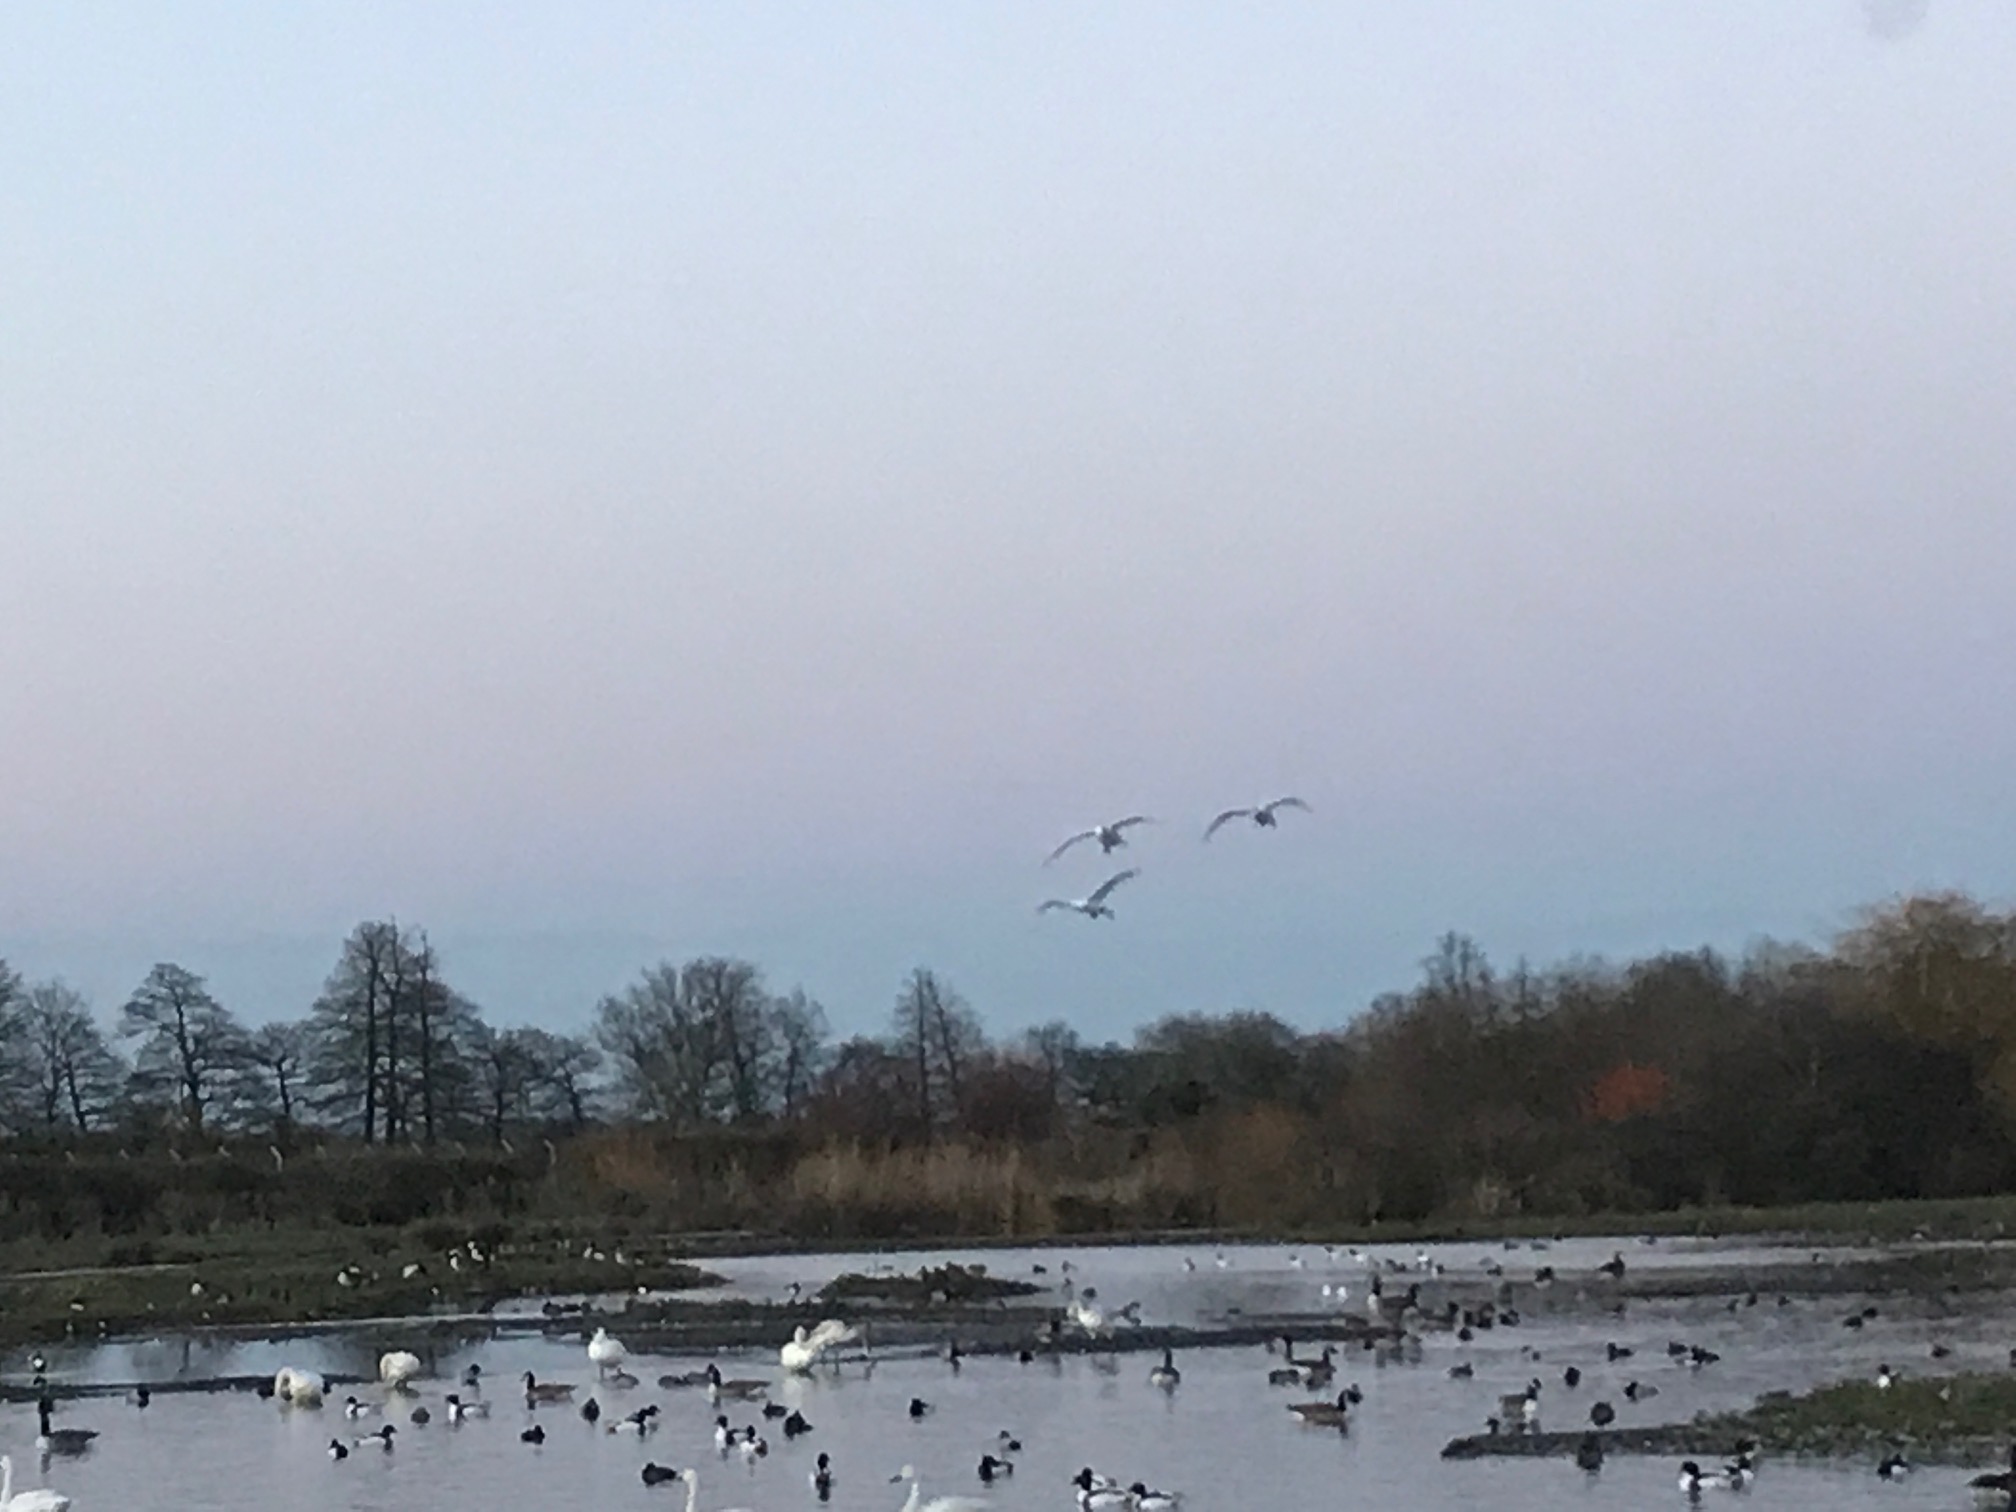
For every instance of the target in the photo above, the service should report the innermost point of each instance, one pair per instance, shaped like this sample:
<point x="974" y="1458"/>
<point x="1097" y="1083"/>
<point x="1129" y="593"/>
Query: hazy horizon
<point x="614" y="484"/>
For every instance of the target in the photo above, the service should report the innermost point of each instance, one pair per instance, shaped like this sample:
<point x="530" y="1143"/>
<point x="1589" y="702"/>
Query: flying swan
<point x="1093" y="906"/>
<point x="1110" y="836"/>
<point x="1262" y="816"/>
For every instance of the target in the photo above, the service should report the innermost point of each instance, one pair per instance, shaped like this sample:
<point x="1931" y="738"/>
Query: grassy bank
<point x="300" y="1274"/>
<point x="1954" y="1419"/>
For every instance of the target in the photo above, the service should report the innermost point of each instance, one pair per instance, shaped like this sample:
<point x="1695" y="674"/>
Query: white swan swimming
<point x="916" y="1502"/>
<point x="1093" y="904"/>
<point x="43" y="1500"/>
<point x="807" y="1345"/>
<point x="604" y="1350"/>
<point x="298" y="1388"/>
<point x="397" y="1367"/>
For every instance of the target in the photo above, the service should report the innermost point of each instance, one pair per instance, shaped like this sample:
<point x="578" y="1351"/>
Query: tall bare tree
<point x="190" y="1046"/>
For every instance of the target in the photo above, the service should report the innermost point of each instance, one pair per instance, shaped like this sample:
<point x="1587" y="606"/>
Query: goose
<point x="1145" y="1500"/>
<point x="605" y="1351"/>
<point x="397" y="1367"/>
<point x="1325" y="1414"/>
<point x="534" y="1435"/>
<point x="1614" y="1266"/>
<point x="1321" y="1371"/>
<point x="1110" y="836"/>
<point x="1093" y="904"/>
<point x="822" y="1478"/>
<point x="991" y="1468"/>
<point x="537" y="1391"/>
<point x="1099" y="1493"/>
<point x="60" y="1440"/>
<point x="682" y="1381"/>
<point x="1262" y="815"/>
<point x="620" y="1380"/>
<point x="735" y="1390"/>
<point x="657" y="1475"/>
<point x="458" y="1409"/>
<point x="382" y="1439"/>
<point x="1166" y="1375"/>
<point x="338" y="1450"/>
<point x="43" y="1500"/>
<point x="1997" y="1486"/>
<point x="807" y="1345"/>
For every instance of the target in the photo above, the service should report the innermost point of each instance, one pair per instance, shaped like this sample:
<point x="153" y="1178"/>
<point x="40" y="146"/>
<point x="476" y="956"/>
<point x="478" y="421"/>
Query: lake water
<point x="1223" y="1438"/>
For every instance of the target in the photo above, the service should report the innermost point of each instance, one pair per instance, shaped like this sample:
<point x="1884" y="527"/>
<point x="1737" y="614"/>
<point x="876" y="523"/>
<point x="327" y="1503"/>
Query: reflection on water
<point x="1223" y="1438"/>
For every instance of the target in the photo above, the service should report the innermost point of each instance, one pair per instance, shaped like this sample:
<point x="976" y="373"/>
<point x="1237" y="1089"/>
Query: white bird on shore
<point x="605" y="1350"/>
<point x="807" y="1345"/>
<point x="43" y="1500"/>
<point x="1110" y="836"/>
<point x="1263" y="815"/>
<point x="1093" y="905"/>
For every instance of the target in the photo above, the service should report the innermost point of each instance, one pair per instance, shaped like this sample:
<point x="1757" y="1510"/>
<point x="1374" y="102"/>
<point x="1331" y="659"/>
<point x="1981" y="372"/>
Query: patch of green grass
<point x="1969" y="1417"/>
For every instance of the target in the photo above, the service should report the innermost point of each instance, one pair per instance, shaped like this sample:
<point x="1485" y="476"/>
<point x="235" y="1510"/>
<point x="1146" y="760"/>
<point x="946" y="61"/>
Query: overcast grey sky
<point x="622" y="480"/>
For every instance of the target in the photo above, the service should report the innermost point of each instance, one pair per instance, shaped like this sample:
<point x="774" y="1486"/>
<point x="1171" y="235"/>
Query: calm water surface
<point x="1223" y="1438"/>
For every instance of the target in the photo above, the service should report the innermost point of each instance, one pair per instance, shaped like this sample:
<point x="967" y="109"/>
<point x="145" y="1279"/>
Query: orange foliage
<point x="1626" y="1090"/>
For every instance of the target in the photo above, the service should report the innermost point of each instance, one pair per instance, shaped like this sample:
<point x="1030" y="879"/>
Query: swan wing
<point x="955" y="1504"/>
<point x="1226" y="818"/>
<point x="1100" y="893"/>
<point x="1294" y="803"/>
<point x="1081" y="835"/>
<point x="1121" y="824"/>
<point x="830" y="1332"/>
<point x="1049" y="903"/>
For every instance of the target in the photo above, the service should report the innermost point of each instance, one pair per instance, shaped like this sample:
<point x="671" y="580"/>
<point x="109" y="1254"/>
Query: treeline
<point x="1881" y="1066"/>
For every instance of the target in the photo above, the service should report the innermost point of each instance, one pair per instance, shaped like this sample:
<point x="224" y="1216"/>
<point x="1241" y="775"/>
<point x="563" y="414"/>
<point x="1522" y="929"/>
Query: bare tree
<point x="277" y="1058"/>
<point x="936" y="1034"/>
<point x="76" y="1075"/>
<point x="190" y="1045"/>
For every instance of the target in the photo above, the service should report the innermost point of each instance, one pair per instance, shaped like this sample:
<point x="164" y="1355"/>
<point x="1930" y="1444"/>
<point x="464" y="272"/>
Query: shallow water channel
<point x="1222" y="1438"/>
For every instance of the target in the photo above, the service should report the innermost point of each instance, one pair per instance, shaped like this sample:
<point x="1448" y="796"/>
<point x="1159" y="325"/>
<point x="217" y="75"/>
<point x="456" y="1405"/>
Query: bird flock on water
<point x="1395" y="1318"/>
